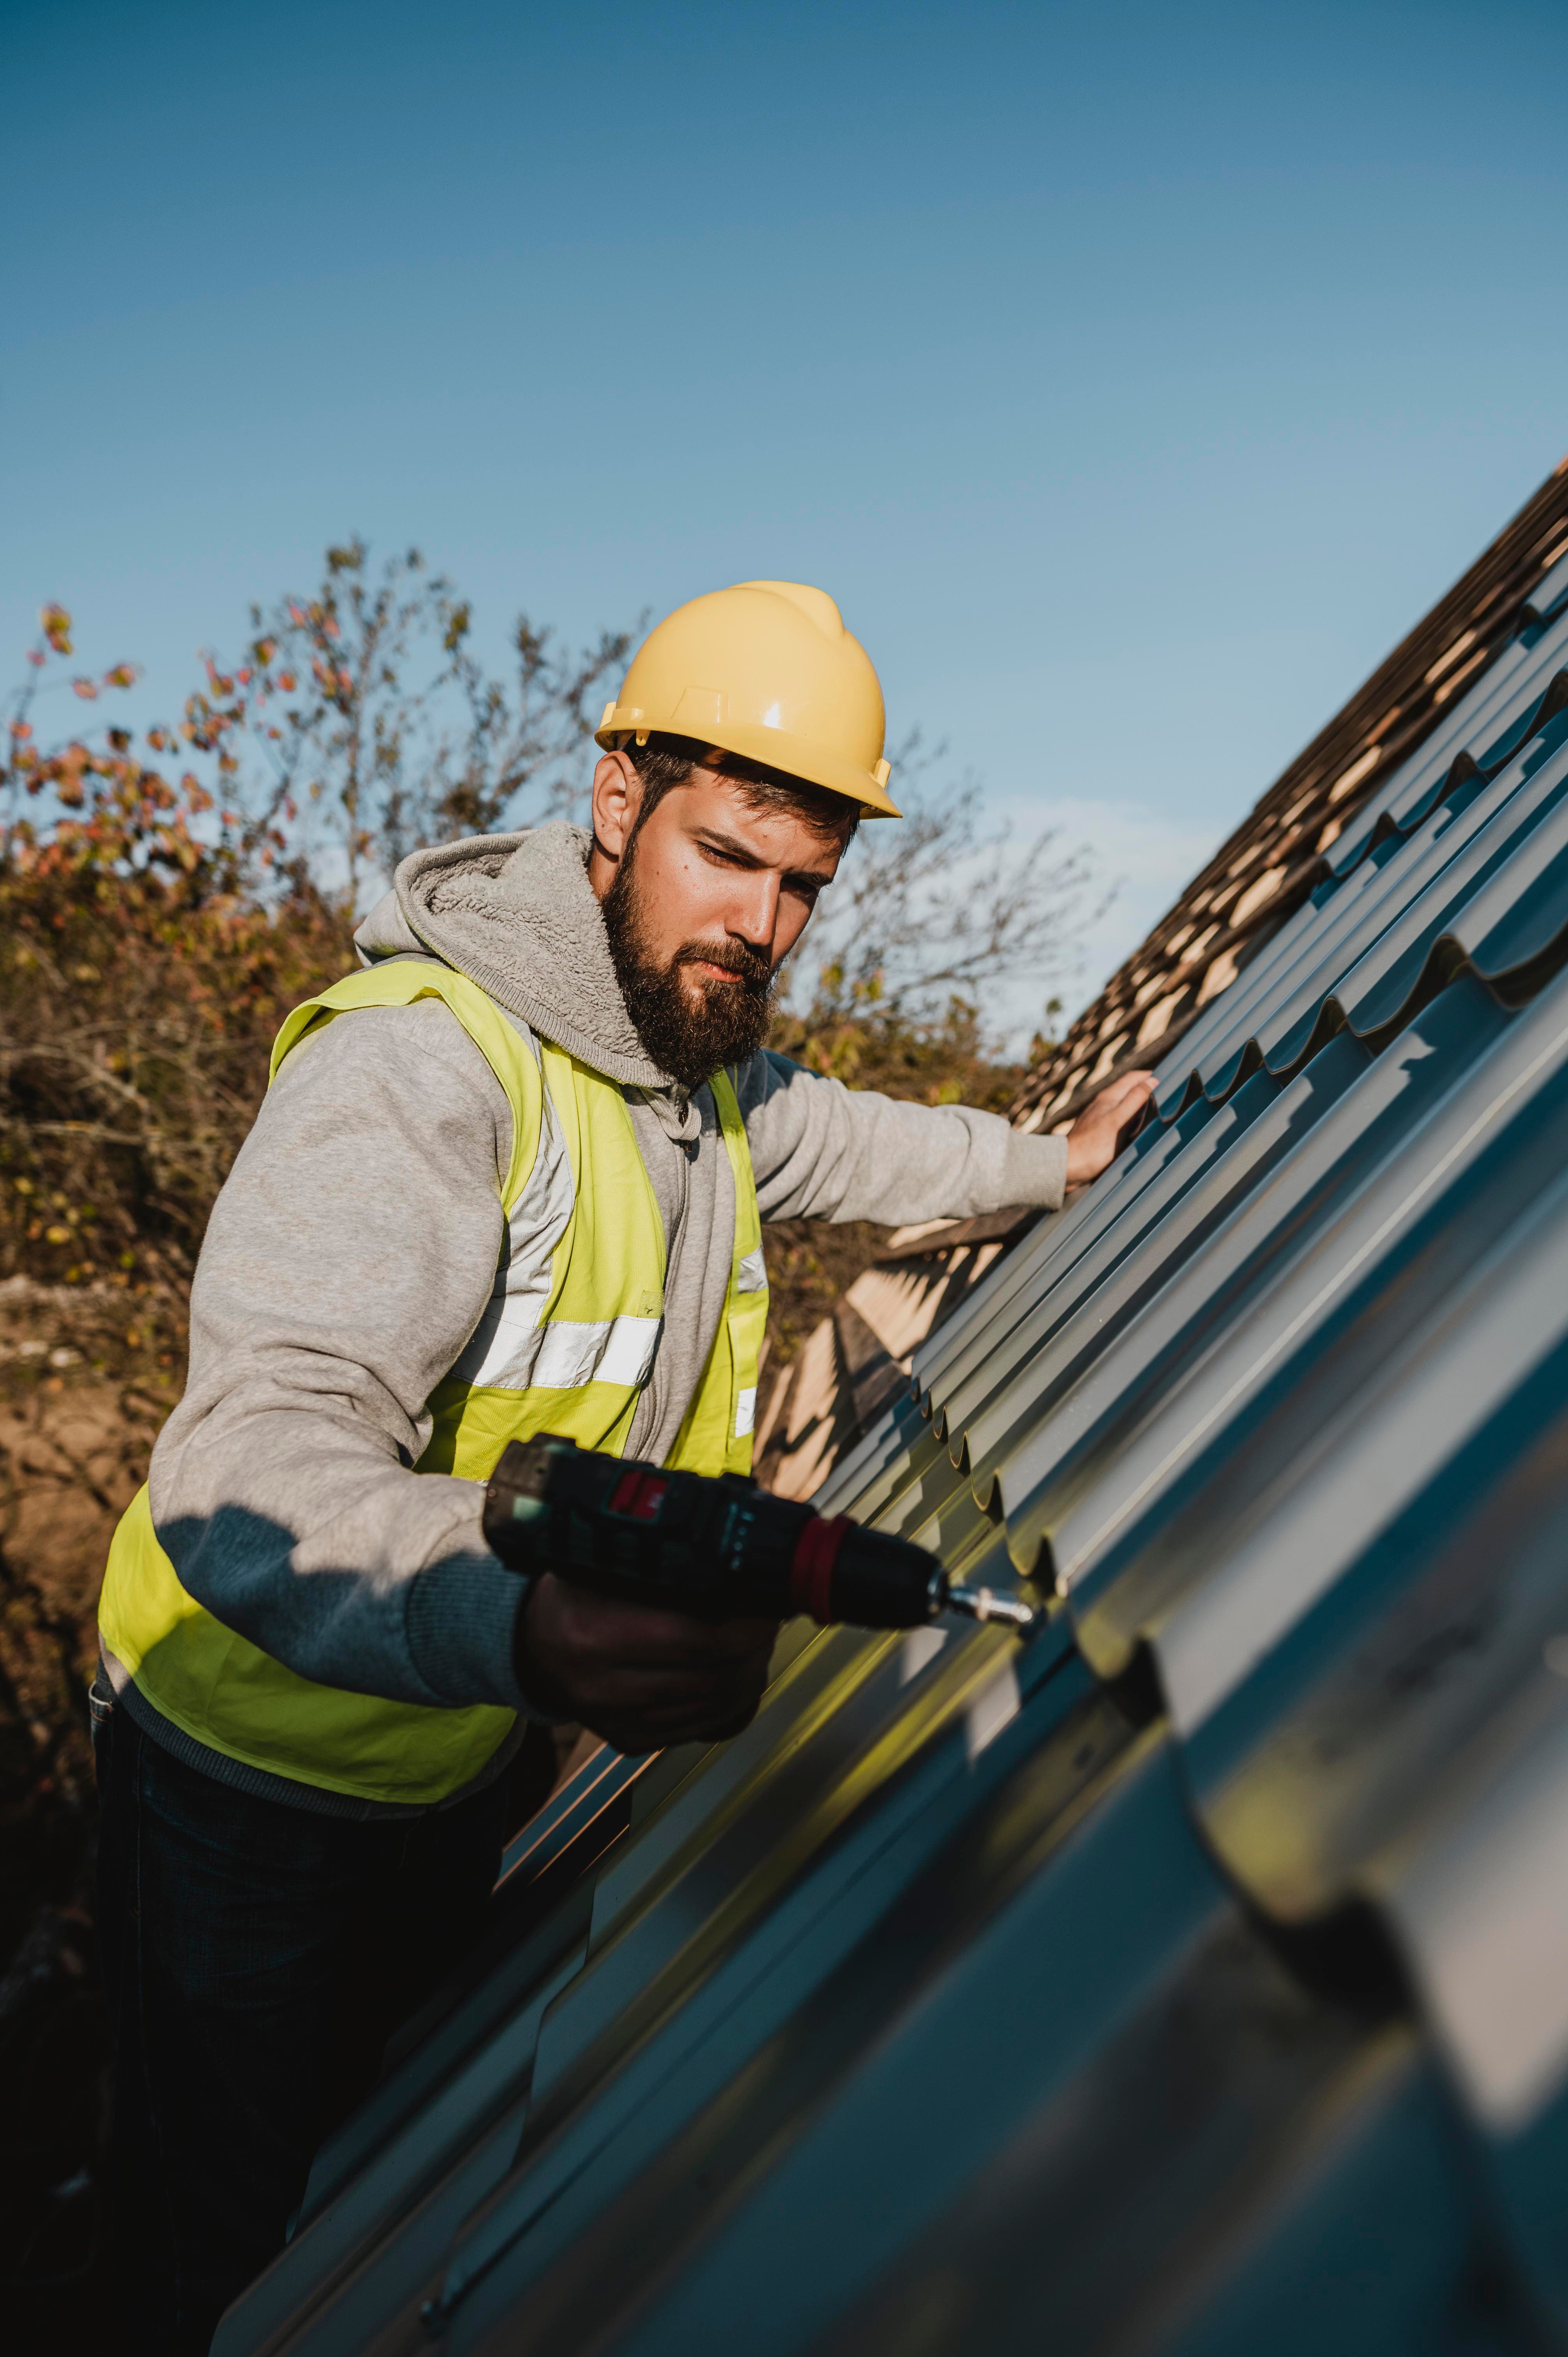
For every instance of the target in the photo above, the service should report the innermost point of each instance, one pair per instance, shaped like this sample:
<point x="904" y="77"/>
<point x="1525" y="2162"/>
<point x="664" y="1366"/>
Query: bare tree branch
<point x="372" y="722"/>
<point x="939" y="909"/>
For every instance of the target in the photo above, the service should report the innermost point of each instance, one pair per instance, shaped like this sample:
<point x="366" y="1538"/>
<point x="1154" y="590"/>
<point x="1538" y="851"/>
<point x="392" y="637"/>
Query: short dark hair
<point x="665" y="762"/>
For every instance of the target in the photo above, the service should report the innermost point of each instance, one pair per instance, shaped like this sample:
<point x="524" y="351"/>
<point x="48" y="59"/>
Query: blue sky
<point x="1133" y="377"/>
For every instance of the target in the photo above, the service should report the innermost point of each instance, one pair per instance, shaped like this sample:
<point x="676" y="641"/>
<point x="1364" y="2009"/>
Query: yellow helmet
<point x="765" y="670"/>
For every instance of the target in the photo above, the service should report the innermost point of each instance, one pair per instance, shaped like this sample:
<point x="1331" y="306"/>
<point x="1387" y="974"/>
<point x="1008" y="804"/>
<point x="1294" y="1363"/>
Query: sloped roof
<point x="1191" y="1977"/>
<point x="1311" y="826"/>
<point x="1306" y="827"/>
<point x="855" y="1361"/>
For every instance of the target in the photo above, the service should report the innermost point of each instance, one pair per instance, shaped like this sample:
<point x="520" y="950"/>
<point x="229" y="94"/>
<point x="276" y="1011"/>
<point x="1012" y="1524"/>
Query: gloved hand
<point x="643" y="1680"/>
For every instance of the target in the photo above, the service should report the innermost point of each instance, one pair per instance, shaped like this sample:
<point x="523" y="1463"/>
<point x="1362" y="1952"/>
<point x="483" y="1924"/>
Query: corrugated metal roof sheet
<point x="1194" y="1975"/>
<point x="1405" y="741"/>
<point x="1378" y="754"/>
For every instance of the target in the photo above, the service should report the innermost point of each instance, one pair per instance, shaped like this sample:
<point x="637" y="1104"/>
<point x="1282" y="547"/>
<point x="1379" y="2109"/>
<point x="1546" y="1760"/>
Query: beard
<point x="690" y="1023"/>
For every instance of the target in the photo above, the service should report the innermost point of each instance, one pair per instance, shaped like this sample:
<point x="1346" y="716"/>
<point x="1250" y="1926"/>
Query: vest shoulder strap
<point x="737" y="1146"/>
<point x="402" y="982"/>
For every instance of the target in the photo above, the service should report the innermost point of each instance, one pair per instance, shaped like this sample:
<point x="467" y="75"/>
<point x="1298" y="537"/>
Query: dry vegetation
<point x="162" y="906"/>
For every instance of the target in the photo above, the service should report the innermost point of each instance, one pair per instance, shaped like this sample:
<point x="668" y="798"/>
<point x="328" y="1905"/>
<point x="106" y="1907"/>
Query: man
<point x="508" y="1178"/>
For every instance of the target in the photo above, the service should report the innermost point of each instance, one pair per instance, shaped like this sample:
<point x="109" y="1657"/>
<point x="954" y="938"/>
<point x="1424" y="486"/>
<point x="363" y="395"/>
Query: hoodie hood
<point x="517" y="914"/>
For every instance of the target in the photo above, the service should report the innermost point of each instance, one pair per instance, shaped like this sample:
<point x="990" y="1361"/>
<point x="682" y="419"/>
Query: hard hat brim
<point x="770" y="748"/>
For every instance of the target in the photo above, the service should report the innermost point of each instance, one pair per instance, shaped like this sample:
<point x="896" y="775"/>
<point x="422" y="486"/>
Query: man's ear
<point x="617" y="797"/>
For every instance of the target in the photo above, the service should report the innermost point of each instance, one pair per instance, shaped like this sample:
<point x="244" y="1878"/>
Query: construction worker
<point x="508" y="1177"/>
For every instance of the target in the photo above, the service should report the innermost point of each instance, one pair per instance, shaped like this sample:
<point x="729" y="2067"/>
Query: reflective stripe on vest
<point x="565" y="1344"/>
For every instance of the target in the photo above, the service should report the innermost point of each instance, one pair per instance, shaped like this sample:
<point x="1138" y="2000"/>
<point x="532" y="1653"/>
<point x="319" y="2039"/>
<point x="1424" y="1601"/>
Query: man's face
<point x="702" y="903"/>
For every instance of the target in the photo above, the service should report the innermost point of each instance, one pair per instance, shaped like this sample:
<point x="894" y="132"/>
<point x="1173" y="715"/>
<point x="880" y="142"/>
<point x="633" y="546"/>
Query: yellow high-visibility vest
<point x="566" y="1345"/>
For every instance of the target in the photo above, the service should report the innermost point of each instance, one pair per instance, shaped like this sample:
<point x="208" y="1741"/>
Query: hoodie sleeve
<point x="822" y="1151"/>
<point x="348" y="1260"/>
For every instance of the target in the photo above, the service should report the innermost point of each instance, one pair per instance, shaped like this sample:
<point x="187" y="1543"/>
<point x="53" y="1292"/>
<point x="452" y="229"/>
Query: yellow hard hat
<point x="765" y="670"/>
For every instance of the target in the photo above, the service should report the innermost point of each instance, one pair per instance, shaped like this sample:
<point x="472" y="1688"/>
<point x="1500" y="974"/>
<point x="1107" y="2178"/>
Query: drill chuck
<point x="720" y="1548"/>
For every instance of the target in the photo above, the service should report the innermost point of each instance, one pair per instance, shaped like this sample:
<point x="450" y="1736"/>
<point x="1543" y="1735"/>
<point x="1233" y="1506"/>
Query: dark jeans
<point x="256" y="1958"/>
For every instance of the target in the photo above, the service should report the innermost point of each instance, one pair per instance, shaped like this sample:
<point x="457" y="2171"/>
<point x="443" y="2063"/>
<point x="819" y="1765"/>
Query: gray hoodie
<point x="359" y="1240"/>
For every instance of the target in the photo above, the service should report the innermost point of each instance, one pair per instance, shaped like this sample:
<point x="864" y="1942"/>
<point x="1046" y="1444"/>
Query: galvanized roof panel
<point x="1392" y="743"/>
<point x="1383" y="1209"/>
<point x="1276" y="1014"/>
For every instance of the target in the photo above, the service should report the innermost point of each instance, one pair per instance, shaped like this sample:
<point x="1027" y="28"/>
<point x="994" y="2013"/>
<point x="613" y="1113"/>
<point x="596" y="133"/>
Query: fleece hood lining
<point x="517" y="914"/>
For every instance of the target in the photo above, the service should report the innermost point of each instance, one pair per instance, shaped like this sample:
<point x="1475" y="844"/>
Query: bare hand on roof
<point x="1111" y="1121"/>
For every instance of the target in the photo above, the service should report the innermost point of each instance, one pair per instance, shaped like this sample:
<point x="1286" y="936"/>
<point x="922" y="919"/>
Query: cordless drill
<point x="720" y="1549"/>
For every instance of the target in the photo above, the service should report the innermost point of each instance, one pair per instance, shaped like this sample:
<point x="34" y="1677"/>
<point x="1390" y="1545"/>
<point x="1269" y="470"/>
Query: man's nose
<point x="754" y="916"/>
